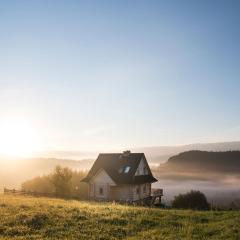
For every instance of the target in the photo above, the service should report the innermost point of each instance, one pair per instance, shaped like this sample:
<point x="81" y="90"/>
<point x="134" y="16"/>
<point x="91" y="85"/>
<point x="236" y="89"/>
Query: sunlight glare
<point x="17" y="138"/>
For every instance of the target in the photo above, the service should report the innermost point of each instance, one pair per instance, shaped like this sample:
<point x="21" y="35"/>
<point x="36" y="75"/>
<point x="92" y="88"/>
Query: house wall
<point x="130" y="193"/>
<point x="122" y="193"/>
<point x="102" y="177"/>
<point x="102" y="187"/>
<point x="141" y="194"/>
<point x="142" y="168"/>
<point x="99" y="187"/>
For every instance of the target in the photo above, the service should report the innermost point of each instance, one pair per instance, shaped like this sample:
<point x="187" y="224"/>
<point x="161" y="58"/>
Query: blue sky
<point x="118" y="74"/>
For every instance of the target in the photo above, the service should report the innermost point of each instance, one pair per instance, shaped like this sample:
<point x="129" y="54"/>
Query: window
<point x="144" y="188"/>
<point x="137" y="190"/>
<point x="101" y="191"/>
<point x="145" y="171"/>
<point x="127" y="168"/>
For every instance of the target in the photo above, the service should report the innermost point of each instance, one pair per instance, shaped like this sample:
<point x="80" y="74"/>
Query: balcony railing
<point x="157" y="192"/>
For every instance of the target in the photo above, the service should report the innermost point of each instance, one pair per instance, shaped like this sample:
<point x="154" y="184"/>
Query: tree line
<point x="62" y="182"/>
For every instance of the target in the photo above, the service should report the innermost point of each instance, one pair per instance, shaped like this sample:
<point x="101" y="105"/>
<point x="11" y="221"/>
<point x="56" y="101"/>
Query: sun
<point x="17" y="138"/>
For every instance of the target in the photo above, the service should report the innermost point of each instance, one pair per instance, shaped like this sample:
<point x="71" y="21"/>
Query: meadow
<point x="25" y="217"/>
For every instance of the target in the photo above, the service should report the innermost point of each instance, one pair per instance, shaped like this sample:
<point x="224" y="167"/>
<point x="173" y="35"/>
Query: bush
<point x="191" y="200"/>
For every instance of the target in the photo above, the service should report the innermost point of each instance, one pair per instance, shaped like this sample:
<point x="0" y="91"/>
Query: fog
<point x="14" y="171"/>
<point x="220" y="188"/>
<point x="218" y="193"/>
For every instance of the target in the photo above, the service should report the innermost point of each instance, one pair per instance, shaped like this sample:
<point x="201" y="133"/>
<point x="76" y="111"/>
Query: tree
<point x="60" y="183"/>
<point x="61" y="179"/>
<point x="40" y="184"/>
<point x="191" y="200"/>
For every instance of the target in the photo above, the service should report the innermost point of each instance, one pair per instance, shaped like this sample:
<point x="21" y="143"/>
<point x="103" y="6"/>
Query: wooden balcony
<point x="156" y="192"/>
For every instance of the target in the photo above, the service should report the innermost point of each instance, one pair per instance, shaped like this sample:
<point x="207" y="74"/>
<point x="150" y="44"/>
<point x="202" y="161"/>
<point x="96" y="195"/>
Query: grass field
<point x="43" y="218"/>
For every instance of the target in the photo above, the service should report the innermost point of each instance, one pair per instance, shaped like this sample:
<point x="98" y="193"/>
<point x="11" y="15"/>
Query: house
<point x="123" y="177"/>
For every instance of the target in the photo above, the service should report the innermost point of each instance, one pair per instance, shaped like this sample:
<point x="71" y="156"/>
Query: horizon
<point x="118" y="75"/>
<point x="153" y="153"/>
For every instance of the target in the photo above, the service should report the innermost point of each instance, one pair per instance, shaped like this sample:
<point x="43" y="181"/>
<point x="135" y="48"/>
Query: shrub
<point x="191" y="200"/>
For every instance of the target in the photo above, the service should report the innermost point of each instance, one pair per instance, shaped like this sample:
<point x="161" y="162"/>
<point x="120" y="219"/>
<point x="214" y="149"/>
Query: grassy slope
<point x="43" y="218"/>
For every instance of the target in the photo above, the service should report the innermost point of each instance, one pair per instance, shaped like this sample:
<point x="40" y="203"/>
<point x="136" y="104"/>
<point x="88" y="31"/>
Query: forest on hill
<point x="220" y="162"/>
<point x="217" y="174"/>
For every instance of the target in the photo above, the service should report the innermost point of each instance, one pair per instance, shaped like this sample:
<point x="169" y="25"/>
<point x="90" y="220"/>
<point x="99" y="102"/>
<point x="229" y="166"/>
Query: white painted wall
<point x="142" y="168"/>
<point x="103" y="178"/>
<point x="100" y="185"/>
<point x="111" y="191"/>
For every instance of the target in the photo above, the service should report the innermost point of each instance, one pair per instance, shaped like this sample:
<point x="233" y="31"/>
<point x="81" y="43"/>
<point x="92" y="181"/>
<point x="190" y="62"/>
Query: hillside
<point x="216" y="174"/>
<point x="161" y="154"/>
<point x="42" y="218"/>
<point x="223" y="162"/>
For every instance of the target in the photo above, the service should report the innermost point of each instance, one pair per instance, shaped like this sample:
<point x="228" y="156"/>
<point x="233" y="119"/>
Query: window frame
<point x="138" y="190"/>
<point x="144" y="188"/>
<point x="101" y="191"/>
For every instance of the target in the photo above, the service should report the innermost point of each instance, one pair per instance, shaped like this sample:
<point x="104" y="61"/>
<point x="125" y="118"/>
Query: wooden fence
<point x="19" y="192"/>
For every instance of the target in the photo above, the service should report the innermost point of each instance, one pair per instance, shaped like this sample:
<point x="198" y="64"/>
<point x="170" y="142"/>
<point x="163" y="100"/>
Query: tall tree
<point x="61" y="180"/>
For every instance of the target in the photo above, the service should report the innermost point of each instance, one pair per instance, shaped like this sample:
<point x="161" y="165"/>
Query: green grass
<point x="43" y="218"/>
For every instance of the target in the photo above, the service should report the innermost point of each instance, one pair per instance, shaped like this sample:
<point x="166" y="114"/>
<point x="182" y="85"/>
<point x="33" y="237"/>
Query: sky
<point x="99" y="75"/>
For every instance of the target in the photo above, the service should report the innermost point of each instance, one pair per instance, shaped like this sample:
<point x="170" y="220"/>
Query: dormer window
<point x="127" y="169"/>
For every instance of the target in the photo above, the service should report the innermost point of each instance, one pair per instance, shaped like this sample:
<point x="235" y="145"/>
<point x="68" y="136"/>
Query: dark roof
<point x="112" y="162"/>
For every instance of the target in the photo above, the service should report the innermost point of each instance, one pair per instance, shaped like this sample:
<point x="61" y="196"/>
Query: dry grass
<point x="43" y="218"/>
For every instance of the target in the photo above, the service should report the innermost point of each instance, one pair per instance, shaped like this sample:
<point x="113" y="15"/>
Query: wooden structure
<point x="156" y="196"/>
<point x="121" y="177"/>
<point x="19" y="192"/>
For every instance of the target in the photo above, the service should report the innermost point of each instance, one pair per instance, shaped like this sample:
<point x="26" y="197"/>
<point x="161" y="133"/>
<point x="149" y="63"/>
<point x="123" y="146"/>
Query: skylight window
<point x="124" y="169"/>
<point x="127" y="169"/>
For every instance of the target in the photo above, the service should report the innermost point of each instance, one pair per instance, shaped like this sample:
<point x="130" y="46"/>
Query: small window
<point x="144" y="188"/>
<point x="127" y="169"/>
<point x="137" y="190"/>
<point x="101" y="191"/>
<point x="145" y="171"/>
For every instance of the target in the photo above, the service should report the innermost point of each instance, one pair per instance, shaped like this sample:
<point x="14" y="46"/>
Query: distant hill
<point x="217" y="174"/>
<point x="203" y="161"/>
<point x="161" y="154"/>
<point x="155" y="155"/>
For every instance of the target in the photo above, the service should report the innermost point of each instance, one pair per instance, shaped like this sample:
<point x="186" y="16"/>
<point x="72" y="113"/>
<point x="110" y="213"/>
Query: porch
<point x="156" y="196"/>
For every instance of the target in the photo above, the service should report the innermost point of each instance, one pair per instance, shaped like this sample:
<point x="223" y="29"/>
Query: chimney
<point x="126" y="153"/>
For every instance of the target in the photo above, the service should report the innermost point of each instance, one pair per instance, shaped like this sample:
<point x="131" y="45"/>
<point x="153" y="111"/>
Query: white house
<point x="120" y="177"/>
